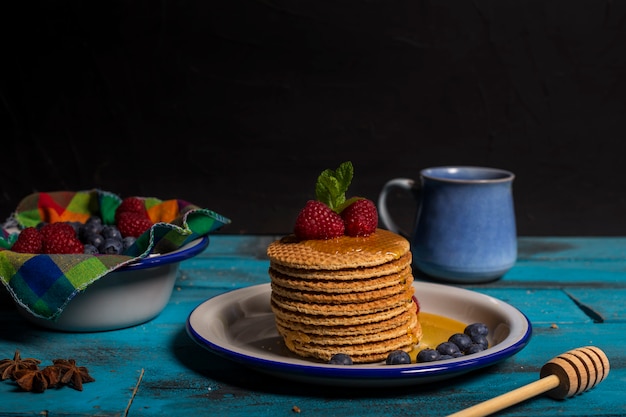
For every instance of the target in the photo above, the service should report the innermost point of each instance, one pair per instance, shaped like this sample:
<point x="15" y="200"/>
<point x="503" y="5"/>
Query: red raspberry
<point x="62" y="243"/>
<point x="131" y="205"/>
<point x="318" y="221"/>
<point x="133" y="224"/>
<point x="28" y="241"/>
<point x="360" y="218"/>
<point x="59" y="228"/>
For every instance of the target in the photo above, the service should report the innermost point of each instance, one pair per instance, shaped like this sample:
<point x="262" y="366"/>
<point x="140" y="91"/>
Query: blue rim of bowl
<point x="190" y="250"/>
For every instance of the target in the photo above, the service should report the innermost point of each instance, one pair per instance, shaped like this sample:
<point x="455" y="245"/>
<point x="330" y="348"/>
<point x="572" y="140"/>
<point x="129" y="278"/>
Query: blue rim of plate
<point x="189" y="250"/>
<point x="371" y="374"/>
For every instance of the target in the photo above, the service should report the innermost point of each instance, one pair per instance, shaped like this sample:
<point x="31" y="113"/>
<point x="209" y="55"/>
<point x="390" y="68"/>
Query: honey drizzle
<point x="435" y="329"/>
<point x="376" y="244"/>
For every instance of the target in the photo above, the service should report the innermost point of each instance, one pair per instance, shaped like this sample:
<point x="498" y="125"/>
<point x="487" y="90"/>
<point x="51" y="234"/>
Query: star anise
<point x="37" y="380"/>
<point x="8" y="367"/>
<point x="72" y="374"/>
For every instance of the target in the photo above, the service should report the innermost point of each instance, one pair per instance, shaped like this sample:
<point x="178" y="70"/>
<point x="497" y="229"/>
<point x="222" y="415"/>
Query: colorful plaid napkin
<point x="45" y="284"/>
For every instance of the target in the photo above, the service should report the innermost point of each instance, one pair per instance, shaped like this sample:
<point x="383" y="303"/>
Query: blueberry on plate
<point x="398" y="357"/>
<point x="476" y="329"/>
<point x="481" y="340"/>
<point x="462" y="340"/>
<point x="340" y="359"/>
<point x="428" y="355"/>
<point x="449" y="349"/>
<point x="475" y="348"/>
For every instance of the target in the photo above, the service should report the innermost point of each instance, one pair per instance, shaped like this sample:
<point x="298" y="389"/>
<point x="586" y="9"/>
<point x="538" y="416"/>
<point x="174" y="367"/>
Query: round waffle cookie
<point x="327" y="327"/>
<point x="332" y="286"/>
<point x="338" y="320"/>
<point x="396" y="266"/>
<point x="359" y="352"/>
<point x="343" y="252"/>
<point x="345" y="308"/>
<point x="349" y="339"/>
<point x="351" y="295"/>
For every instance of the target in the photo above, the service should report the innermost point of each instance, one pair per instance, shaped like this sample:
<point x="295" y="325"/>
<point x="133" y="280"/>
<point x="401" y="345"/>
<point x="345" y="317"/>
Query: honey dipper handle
<point x="510" y="398"/>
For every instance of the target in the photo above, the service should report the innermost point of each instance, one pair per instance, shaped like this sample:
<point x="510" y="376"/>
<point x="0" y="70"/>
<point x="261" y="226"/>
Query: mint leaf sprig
<point x="331" y="186"/>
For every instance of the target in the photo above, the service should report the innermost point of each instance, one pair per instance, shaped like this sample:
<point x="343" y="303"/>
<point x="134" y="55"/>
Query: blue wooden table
<point x="572" y="290"/>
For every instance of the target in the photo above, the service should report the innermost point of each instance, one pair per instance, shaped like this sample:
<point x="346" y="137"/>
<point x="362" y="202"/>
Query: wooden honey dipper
<point x="564" y="376"/>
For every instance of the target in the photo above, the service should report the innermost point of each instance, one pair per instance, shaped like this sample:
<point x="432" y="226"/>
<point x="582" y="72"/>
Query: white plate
<point x="239" y="325"/>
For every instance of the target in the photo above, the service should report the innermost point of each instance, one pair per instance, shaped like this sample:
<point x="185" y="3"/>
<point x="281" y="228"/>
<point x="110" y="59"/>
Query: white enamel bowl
<point x="123" y="298"/>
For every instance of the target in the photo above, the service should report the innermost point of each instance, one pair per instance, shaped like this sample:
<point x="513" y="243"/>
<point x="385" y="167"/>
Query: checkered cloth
<point x="45" y="284"/>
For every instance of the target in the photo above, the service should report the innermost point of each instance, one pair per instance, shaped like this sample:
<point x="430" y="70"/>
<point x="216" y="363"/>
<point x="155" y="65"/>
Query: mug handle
<point x="406" y="184"/>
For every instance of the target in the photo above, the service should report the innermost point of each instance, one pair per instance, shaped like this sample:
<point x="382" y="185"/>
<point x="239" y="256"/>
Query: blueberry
<point x="95" y="220"/>
<point x="475" y="348"/>
<point x="111" y="246"/>
<point x="476" y="329"/>
<point x="90" y="250"/>
<point x="398" y="357"/>
<point x="340" y="359"/>
<point x="111" y="232"/>
<point x="428" y="355"/>
<point x="128" y="241"/>
<point x="94" y="239"/>
<point x="92" y="225"/>
<point x="76" y="226"/>
<point x="462" y="340"/>
<point x="448" y="348"/>
<point x="442" y="357"/>
<point x="481" y="340"/>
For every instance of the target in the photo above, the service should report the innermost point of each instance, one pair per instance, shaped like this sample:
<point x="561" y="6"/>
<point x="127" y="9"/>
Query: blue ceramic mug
<point x="465" y="228"/>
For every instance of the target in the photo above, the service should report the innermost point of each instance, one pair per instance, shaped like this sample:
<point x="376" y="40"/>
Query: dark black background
<point x="238" y="105"/>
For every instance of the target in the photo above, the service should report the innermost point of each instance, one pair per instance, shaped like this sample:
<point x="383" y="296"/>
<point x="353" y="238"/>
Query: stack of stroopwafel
<point x="351" y="295"/>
